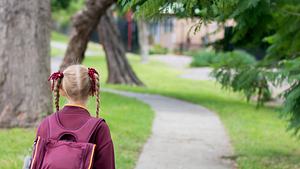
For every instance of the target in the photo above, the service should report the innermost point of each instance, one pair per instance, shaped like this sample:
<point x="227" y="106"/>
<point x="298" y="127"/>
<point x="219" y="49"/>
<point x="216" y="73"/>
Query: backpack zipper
<point x="35" y="152"/>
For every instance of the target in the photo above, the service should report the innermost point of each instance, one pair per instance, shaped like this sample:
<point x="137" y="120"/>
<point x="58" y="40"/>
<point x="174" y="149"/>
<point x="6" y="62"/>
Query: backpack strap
<point x="85" y="133"/>
<point x="82" y="134"/>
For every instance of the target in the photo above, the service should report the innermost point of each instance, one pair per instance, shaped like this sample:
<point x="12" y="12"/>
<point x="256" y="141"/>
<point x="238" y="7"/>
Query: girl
<point x="76" y="83"/>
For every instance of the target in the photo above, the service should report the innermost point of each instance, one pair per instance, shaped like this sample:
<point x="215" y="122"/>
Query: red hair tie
<point x="55" y="76"/>
<point x="92" y="72"/>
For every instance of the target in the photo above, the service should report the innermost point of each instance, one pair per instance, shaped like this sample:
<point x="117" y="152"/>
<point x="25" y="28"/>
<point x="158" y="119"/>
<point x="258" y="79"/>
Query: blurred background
<point x="239" y="60"/>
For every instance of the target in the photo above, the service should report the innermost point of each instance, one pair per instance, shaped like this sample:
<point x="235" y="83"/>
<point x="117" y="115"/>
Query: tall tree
<point x="84" y="23"/>
<point x="119" y="70"/>
<point x="25" y="62"/>
<point x="143" y="39"/>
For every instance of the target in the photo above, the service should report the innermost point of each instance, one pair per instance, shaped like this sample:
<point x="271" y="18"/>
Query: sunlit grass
<point x="259" y="136"/>
<point x="63" y="39"/>
<point x="58" y="37"/>
<point x="55" y="52"/>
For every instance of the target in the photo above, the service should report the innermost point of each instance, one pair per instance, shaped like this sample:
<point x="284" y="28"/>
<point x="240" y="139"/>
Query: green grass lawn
<point x="58" y="37"/>
<point x="129" y="120"/>
<point x="61" y="38"/>
<point x="258" y="136"/>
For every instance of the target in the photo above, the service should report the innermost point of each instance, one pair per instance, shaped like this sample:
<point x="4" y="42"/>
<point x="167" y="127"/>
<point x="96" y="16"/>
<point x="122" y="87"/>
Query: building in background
<point x="174" y="34"/>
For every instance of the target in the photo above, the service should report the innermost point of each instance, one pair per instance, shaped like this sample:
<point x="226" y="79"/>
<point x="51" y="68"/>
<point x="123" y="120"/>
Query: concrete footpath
<point x="184" y="136"/>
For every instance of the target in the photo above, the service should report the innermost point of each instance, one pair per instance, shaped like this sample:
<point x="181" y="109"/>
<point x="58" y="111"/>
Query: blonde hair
<point x="78" y="85"/>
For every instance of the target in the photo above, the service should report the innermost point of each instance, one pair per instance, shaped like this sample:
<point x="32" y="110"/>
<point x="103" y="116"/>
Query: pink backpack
<point x="65" y="149"/>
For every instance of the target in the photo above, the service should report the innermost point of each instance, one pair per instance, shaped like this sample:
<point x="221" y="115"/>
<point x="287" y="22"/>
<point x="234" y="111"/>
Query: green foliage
<point x="60" y="4"/>
<point x="158" y="49"/>
<point x="291" y="73"/>
<point x="271" y="24"/>
<point x="235" y="59"/>
<point x="285" y="42"/>
<point x="278" y="23"/>
<point x="258" y="136"/>
<point x="285" y="51"/>
<point x="58" y="37"/>
<point x="203" y="58"/>
<point x="238" y="71"/>
<point x="63" y="10"/>
<point x="292" y="107"/>
<point x="254" y="21"/>
<point x="181" y="8"/>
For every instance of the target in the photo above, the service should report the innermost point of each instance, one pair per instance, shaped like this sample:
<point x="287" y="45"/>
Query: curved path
<point x="184" y="136"/>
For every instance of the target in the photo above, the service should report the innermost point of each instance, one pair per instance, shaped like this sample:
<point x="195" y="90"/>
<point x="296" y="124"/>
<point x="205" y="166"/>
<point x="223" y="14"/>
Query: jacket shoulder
<point x="43" y="128"/>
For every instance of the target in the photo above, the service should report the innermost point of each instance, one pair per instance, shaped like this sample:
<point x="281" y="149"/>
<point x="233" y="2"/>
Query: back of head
<point x="78" y="83"/>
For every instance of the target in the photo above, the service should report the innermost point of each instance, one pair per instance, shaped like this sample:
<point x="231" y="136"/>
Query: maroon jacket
<point x="73" y="117"/>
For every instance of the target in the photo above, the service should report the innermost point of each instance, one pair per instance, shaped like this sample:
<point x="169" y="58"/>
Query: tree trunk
<point x="83" y="23"/>
<point x="24" y="62"/>
<point x="119" y="70"/>
<point x="143" y="39"/>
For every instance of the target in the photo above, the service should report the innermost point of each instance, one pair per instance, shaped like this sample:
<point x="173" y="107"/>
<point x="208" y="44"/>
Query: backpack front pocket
<point x="63" y="155"/>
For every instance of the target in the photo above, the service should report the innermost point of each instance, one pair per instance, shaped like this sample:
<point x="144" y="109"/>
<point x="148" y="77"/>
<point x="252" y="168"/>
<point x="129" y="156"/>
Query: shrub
<point x="239" y="71"/>
<point x="234" y="59"/>
<point x="158" y="49"/>
<point x="203" y="58"/>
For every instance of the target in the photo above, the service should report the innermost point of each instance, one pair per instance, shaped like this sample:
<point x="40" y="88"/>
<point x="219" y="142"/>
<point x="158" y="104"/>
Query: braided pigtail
<point x="97" y="93"/>
<point x="56" y="81"/>
<point x="95" y="87"/>
<point x="56" y="94"/>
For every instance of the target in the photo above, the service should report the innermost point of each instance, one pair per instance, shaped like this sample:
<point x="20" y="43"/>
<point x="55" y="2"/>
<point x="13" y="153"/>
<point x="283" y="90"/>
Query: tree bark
<point x="119" y="70"/>
<point x="83" y="23"/>
<point x="143" y="39"/>
<point x="24" y="62"/>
